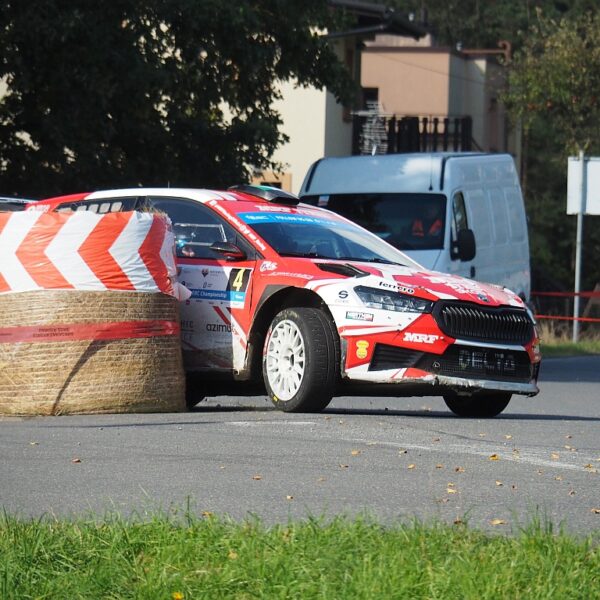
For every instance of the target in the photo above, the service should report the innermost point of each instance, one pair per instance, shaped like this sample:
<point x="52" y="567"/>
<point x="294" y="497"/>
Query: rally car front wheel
<point x="481" y="404"/>
<point x="301" y="360"/>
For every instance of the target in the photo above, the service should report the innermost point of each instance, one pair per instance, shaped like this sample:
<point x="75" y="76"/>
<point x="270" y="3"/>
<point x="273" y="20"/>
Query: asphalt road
<point x="390" y="458"/>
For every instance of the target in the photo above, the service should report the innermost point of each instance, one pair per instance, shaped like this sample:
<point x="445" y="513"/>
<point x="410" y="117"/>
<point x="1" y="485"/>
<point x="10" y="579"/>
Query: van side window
<point x="196" y="227"/>
<point x="499" y="216"/>
<point x="459" y="222"/>
<point x="516" y="216"/>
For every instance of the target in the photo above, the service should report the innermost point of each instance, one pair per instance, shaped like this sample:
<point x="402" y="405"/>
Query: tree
<point x="554" y="92"/>
<point x="151" y="92"/>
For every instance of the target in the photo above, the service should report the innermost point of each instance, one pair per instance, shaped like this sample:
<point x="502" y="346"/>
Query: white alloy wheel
<point x="286" y="359"/>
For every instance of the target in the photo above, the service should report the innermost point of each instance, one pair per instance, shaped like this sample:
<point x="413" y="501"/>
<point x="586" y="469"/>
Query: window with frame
<point x="197" y="227"/>
<point x="459" y="222"/>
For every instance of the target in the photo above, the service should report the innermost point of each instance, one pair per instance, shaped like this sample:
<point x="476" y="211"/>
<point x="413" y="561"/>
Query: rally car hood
<point x="433" y="285"/>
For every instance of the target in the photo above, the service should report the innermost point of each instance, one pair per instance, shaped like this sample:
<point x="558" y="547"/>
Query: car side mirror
<point x="230" y="251"/>
<point x="465" y="245"/>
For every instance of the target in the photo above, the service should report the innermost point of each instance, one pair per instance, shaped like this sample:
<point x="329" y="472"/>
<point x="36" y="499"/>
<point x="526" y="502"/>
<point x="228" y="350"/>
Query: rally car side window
<point x="196" y="227"/>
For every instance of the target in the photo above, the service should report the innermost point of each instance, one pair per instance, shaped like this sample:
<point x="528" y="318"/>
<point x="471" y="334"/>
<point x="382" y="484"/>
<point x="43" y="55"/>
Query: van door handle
<point x="472" y="272"/>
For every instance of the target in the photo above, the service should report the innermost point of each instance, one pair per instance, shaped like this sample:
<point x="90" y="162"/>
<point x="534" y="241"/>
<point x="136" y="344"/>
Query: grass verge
<point x="212" y="557"/>
<point x="556" y="340"/>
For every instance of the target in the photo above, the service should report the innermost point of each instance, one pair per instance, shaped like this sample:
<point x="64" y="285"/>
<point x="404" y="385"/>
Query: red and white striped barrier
<point x="128" y="251"/>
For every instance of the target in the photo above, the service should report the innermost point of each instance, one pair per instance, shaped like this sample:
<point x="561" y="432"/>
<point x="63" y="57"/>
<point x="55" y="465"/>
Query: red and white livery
<point x="314" y="305"/>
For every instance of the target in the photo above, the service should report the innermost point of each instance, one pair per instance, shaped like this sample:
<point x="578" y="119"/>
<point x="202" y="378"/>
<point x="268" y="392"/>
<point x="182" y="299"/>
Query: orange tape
<point x="88" y="331"/>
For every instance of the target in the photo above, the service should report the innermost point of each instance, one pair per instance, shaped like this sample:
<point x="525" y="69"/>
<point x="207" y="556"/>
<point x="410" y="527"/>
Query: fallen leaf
<point x="76" y="460"/>
<point x="439" y="466"/>
<point x="402" y="451"/>
<point x="341" y="421"/>
<point x="499" y="483"/>
<point x="451" y="485"/>
<point x="232" y="555"/>
<point x="458" y="521"/>
<point x="436" y="439"/>
<point x="451" y="491"/>
<point x="444" y="500"/>
<point x="494" y="457"/>
<point x="206" y="513"/>
<point x="482" y="435"/>
<point x="497" y="522"/>
<point x="327" y="418"/>
<point x="356" y="452"/>
<point x="540" y="472"/>
<point x="568" y="436"/>
<point x="177" y="596"/>
<point x="572" y="492"/>
<point x="459" y="469"/>
<point x="321" y="479"/>
<point x="411" y="466"/>
<point x="34" y="443"/>
<point x="371" y="443"/>
<point x="555" y="456"/>
<point x="222" y="467"/>
<point x="596" y="511"/>
<point x="289" y="497"/>
<point x="343" y="466"/>
<point x="257" y="477"/>
<point x="558" y="478"/>
<point x="508" y="437"/>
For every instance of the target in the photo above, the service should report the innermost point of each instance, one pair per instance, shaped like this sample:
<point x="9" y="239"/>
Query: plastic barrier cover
<point x="128" y="251"/>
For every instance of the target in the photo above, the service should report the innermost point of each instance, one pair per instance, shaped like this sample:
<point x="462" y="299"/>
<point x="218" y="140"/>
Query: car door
<point x="215" y="319"/>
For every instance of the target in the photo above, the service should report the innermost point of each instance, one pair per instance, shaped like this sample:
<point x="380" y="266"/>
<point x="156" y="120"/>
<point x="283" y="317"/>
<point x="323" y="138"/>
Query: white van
<point x="454" y="212"/>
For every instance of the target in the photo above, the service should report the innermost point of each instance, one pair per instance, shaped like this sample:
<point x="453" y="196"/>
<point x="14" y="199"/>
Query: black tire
<point x="482" y="404"/>
<point x="313" y="372"/>
<point x="194" y="390"/>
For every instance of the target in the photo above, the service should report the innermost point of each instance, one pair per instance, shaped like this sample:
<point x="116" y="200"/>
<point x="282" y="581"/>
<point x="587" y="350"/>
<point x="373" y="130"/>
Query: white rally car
<point x="314" y="305"/>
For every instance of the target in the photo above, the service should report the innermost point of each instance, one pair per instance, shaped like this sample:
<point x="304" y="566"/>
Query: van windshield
<point x="407" y="221"/>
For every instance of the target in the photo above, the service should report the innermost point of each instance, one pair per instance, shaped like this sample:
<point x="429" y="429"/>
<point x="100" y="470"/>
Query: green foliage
<point x="154" y="92"/>
<point x="215" y="558"/>
<point x="557" y="74"/>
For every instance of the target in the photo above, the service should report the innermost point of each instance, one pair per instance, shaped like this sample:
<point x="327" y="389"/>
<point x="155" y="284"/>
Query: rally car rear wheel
<point x="482" y="404"/>
<point x="301" y="360"/>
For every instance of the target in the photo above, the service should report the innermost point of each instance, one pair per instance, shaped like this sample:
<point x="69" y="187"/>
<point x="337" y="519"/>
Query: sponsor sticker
<point x="359" y="316"/>
<point x="362" y="347"/>
<point x="268" y="265"/>
<point x="422" y="338"/>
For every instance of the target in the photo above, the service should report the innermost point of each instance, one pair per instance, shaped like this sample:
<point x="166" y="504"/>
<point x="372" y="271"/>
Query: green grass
<point x="555" y="349"/>
<point x="556" y="340"/>
<point x="211" y="557"/>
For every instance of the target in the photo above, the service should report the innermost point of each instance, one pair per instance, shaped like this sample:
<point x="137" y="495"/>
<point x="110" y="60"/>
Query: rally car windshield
<point x="317" y="236"/>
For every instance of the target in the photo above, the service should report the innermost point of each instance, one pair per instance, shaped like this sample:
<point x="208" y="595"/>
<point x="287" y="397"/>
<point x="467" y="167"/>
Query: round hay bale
<point x="82" y="352"/>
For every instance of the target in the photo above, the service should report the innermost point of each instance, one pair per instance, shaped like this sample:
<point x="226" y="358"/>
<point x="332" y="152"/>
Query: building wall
<point x="303" y="115"/>
<point x="411" y="81"/>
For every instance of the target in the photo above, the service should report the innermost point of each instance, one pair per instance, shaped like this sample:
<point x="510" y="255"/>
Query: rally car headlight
<point x="388" y="300"/>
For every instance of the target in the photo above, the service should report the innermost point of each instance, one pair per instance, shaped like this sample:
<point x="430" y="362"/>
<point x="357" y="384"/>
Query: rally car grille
<point x="469" y="362"/>
<point x="392" y="357"/>
<point x="485" y="324"/>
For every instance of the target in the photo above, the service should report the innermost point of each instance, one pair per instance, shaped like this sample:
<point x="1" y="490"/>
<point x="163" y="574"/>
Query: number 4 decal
<point x="238" y="280"/>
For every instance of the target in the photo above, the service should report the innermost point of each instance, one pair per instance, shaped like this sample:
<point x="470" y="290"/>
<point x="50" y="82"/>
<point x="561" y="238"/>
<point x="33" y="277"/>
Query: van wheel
<point x="301" y="360"/>
<point x="482" y="404"/>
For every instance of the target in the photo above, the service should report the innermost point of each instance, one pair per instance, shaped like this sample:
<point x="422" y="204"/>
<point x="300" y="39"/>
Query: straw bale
<point x="89" y="376"/>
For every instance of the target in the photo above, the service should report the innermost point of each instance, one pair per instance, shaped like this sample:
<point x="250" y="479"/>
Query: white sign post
<point x="583" y="198"/>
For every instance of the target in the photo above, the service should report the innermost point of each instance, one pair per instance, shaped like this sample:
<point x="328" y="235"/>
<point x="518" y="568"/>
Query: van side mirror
<point x="465" y="245"/>
<point x="228" y="250"/>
